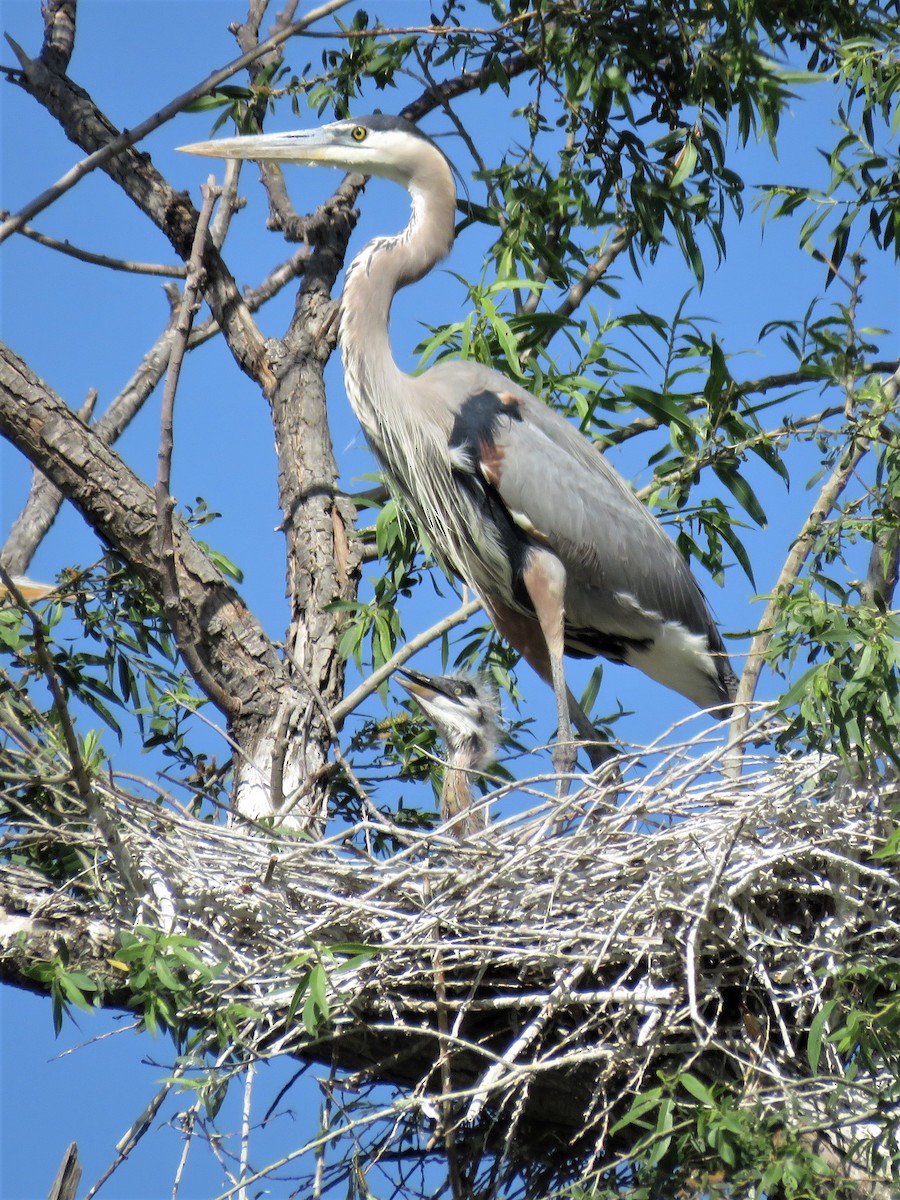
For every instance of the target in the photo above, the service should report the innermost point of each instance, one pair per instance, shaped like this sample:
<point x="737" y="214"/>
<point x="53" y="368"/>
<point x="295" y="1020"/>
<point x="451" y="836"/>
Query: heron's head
<point x="463" y="710"/>
<point x="391" y="147"/>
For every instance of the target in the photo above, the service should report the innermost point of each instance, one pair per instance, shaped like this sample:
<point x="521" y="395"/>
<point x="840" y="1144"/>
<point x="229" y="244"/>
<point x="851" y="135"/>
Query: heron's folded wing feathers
<point x="550" y="476"/>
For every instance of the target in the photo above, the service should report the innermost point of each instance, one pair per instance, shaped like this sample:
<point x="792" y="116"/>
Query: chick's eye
<point x="358" y="133"/>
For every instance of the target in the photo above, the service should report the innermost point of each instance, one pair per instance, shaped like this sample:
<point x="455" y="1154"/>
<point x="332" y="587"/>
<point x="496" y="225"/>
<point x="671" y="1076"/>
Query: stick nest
<point x="544" y="971"/>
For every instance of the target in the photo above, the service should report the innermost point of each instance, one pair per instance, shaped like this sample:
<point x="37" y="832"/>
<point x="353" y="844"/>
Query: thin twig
<point x="165" y="503"/>
<point x="136" y="1130"/>
<point x="45" y="499"/>
<point x="246" y="1107"/>
<point x="187" y="1121"/>
<point x="446" y="1124"/>
<point x="790" y="571"/>
<point x="592" y="275"/>
<point x="324" y="1126"/>
<point x="176" y="271"/>
<point x="564" y="982"/>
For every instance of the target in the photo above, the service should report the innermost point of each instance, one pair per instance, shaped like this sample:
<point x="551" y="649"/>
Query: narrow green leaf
<point x="816" y="1030"/>
<point x="685" y="166"/>
<point x="742" y="492"/>
<point x="640" y="1106"/>
<point x="166" y="975"/>
<point x="698" y="1090"/>
<point x="318" y="989"/>
<point x="299" y="993"/>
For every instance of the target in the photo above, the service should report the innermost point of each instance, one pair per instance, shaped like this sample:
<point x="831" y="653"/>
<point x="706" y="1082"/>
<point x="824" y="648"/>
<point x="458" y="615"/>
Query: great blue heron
<point x="512" y="497"/>
<point x="465" y="714"/>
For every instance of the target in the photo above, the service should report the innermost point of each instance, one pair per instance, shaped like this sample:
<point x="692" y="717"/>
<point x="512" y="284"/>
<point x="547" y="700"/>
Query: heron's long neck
<point x="456" y="796"/>
<point x="456" y="793"/>
<point x="374" y="277"/>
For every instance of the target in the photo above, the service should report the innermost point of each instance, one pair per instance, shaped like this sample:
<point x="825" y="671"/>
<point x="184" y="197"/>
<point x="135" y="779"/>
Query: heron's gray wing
<point x="558" y="487"/>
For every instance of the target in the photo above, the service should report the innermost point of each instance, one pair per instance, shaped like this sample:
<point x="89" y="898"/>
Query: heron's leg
<point x="545" y="581"/>
<point x="598" y="750"/>
<point x="565" y="752"/>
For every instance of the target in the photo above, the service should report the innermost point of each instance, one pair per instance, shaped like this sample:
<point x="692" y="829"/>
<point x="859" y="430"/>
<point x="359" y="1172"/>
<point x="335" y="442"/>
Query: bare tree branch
<point x="413" y="646"/>
<point x="120" y="508"/>
<point x="35" y="72"/>
<point x="799" y="552"/>
<point x="594" y="273"/>
<point x="137" y="1129"/>
<point x="169" y="210"/>
<point x="59" y="33"/>
<point x="65" y="1185"/>
<point x="34" y="521"/>
<point x="99" y="260"/>
<point x="183" y="621"/>
<point x="44" y="500"/>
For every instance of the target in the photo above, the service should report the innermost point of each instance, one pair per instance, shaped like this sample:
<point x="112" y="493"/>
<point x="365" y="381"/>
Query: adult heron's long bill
<point x="379" y="145"/>
<point x="298" y="145"/>
<point x="340" y="144"/>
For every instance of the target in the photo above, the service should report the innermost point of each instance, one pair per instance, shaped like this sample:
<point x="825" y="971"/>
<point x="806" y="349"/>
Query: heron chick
<point x="512" y="497"/>
<point x="466" y="716"/>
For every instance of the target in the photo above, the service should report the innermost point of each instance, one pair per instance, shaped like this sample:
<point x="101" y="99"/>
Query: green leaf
<point x="227" y="566"/>
<point x="640" y="1105"/>
<point x="816" y="1031"/>
<point x="664" y="1124"/>
<point x="799" y="690"/>
<point x="82" y="981"/>
<point x="742" y="492"/>
<point x="299" y="992"/>
<point x="166" y="976"/>
<point x="316" y="1010"/>
<point x="698" y="1090"/>
<point x="667" y="408"/>
<point x="74" y="993"/>
<point x="318" y="988"/>
<point x="685" y="166"/>
<point x="191" y="960"/>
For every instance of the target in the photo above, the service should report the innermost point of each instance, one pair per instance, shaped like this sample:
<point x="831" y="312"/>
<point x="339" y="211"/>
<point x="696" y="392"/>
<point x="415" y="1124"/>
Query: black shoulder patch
<point x="478" y="417"/>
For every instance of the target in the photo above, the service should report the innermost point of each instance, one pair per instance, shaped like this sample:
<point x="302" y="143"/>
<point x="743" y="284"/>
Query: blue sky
<point x="82" y="327"/>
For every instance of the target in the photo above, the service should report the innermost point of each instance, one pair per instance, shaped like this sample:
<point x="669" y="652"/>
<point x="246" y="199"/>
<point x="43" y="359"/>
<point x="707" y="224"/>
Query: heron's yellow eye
<point x="359" y="134"/>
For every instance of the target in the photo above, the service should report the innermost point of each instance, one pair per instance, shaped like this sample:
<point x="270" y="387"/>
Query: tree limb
<point x="44" y="499"/>
<point x="99" y="156"/>
<point x="59" y="33"/>
<point x="121" y="510"/>
<point x="171" y="211"/>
